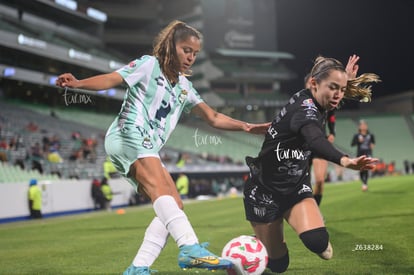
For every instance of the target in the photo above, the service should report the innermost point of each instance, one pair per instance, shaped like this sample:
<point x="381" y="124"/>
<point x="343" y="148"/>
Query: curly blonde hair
<point x="164" y="47"/>
<point x="357" y="88"/>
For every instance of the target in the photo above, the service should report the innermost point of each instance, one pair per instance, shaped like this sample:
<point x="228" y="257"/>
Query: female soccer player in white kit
<point x="157" y="94"/>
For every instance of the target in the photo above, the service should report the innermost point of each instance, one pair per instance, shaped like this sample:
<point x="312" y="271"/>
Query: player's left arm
<point x="224" y="122"/>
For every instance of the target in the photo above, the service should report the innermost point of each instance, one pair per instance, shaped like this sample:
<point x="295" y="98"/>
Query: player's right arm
<point x="98" y="82"/>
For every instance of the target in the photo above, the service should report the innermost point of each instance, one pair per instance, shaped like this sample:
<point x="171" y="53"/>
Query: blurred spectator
<point x="32" y="127"/>
<point x="36" y="156"/>
<point x="181" y="160"/>
<point x="183" y="185"/>
<point x="54" y="143"/>
<point x="391" y="168"/>
<point x="380" y="168"/>
<point x="4" y="148"/>
<point x="89" y="149"/>
<point x="3" y="144"/>
<point x="75" y="136"/>
<point x="407" y="167"/>
<point x="109" y="169"/>
<point x="137" y="198"/>
<point x="97" y="195"/>
<point x="3" y="156"/>
<point x="53" y="114"/>
<point x="54" y="156"/>
<point x="75" y="155"/>
<point x="107" y="193"/>
<point x="53" y="147"/>
<point x="35" y="200"/>
<point x="20" y="163"/>
<point x="13" y="144"/>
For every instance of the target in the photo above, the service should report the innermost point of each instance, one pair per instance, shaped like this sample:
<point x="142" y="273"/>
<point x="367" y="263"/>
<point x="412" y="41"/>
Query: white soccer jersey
<point x="151" y="104"/>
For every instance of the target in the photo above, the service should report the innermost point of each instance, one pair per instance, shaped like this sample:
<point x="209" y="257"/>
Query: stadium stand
<point x="32" y="123"/>
<point x="238" y="79"/>
<point x="57" y="144"/>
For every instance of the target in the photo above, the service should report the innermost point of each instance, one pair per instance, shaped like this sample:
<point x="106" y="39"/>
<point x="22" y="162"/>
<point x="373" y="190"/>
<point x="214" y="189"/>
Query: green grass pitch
<point x="371" y="233"/>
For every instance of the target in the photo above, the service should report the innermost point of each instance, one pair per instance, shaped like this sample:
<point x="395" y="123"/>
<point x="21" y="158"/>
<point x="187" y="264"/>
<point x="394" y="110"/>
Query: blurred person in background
<point x="109" y="169"/>
<point x="97" y="195"/>
<point x="407" y="167"/>
<point x="35" y="200"/>
<point x="158" y="91"/>
<point x="107" y="193"/>
<point x="365" y="143"/>
<point x="183" y="185"/>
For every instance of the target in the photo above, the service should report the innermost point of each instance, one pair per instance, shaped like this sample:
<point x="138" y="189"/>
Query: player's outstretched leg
<point x="197" y="256"/>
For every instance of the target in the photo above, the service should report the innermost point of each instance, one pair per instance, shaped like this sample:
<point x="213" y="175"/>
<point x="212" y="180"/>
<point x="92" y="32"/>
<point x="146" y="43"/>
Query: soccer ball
<point x="248" y="255"/>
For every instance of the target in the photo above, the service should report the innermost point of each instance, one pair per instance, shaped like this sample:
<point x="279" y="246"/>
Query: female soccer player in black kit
<point x="279" y="186"/>
<point x="365" y="142"/>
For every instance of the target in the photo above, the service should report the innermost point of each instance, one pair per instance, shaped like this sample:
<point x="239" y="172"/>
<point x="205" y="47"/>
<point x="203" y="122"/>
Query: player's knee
<point x="279" y="265"/>
<point x="316" y="240"/>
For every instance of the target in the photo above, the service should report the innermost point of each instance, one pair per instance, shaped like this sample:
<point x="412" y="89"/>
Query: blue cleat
<point x="138" y="270"/>
<point x="197" y="256"/>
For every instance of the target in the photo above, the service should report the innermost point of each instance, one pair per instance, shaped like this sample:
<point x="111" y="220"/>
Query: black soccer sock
<point x="279" y="265"/>
<point x="318" y="198"/>
<point x="364" y="177"/>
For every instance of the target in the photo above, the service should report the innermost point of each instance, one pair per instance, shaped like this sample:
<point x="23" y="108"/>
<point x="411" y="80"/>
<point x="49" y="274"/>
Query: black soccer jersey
<point x="295" y="133"/>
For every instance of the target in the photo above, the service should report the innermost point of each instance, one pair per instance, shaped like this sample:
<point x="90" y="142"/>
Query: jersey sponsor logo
<point x="182" y="96"/>
<point x="289" y="153"/>
<point x="305" y="189"/>
<point x="159" y="80"/>
<point x="259" y="211"/>
<point x="308" y="104"/>
<point x="163" y="111"/>
<point x="132" y="64"/>
<point x="267" y="198"/>
<point x="156" y="124"/>
<point x="147" y="144"/>
<point x="272" y="131"/>
<point x="253" y="193"/>
<point x="290" y="169"/>
<point x="311" y="114"/>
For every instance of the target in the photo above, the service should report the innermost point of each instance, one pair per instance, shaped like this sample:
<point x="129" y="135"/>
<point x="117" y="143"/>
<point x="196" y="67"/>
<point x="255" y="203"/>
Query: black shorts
<point x="263" y="206"/>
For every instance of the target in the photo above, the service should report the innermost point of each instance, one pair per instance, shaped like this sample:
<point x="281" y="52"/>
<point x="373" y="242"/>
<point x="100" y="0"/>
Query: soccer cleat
<point x="138" y="270"/>
<point x="328" y="253"/>
<point x="197" y="256"/>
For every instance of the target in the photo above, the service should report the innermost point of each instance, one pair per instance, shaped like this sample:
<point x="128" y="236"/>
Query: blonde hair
<point x="164" y="47"/>
<point x="356" y="89"/>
